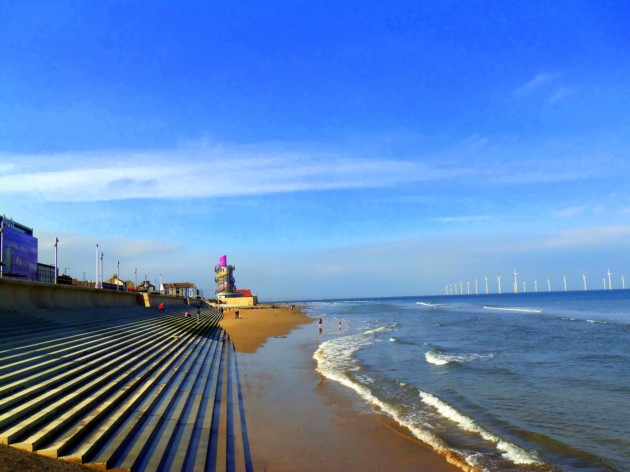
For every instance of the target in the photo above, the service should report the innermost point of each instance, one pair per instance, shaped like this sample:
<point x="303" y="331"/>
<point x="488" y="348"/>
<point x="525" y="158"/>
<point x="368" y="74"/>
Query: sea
<point x="502" y="382"/>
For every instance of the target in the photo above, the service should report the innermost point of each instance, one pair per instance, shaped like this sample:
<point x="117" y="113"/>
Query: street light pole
<point x="117" y="275"/>
<point x="56" y="243"/>
<point x="96" y="278"/>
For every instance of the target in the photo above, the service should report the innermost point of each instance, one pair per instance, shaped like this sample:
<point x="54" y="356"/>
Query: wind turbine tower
<point x="548" y="284"/>
<point x="564" y="279"/>
<point x="623" y="282"/>
<point x="486" y="277"/>
<point x="499" y="280"/>
<point x="609" y="280"/>
<point x="536" y="286"/>
<point x="515" y="281"/>
<point x="476" y="288"/>
<point x="584" y="278"/>
<point x="604" y="279"/>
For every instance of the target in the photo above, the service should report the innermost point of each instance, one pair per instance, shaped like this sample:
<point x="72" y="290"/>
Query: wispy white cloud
<point x="201" y="172"/>
<point x="465" y="219"/>
<point x="569" y="212"/>
<point x="534" y="84"/>
<point x="589" y="236"/>
<point x="561" y="93"/>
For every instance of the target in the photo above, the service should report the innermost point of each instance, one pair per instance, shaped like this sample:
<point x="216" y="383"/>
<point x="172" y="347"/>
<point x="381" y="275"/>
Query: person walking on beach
<point x="320" y="325"/>
<point x="198" y="313"/>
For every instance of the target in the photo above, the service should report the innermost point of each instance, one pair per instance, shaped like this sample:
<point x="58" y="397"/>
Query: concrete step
<point x="144" y="391"/>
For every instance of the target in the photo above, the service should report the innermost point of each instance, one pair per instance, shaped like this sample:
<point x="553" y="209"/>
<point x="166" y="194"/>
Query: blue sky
<point x="330" y="149"/>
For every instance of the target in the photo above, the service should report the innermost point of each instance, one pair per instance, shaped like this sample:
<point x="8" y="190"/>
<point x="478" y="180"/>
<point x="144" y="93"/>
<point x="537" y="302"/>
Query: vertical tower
<point x="224" y="277"/>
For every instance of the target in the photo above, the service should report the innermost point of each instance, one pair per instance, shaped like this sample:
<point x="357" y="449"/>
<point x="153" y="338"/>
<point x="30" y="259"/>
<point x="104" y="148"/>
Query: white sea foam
<point x="382" y="329"/>
<point x="335" y="358"/>
<point x="510" y="451"/>
<point x="393" y="339"/>
<point x="439" y="357"/>
<point x="520" y="310"/>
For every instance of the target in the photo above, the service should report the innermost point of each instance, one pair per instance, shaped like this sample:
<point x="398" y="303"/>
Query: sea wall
<point x="17" y="296"/>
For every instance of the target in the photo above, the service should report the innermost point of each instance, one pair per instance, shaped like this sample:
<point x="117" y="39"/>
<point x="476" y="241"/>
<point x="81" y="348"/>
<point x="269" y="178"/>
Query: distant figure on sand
<point x="187" y="315"/>
<point x="320" y="325"/>
<point x="198" y="313"/>
<point x="237" y="315"/>
<point x="339" y="323"/>
<point x="161" y="307"/>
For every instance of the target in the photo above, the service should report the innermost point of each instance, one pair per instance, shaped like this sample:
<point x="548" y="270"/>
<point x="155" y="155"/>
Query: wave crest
<point x="440" y="357"/>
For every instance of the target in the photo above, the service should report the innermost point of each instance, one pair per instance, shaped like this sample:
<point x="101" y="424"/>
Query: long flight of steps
<point x="123" y="389"/>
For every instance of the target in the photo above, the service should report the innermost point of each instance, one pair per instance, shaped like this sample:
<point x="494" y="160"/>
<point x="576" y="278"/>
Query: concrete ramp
<point x="17" y="296"/>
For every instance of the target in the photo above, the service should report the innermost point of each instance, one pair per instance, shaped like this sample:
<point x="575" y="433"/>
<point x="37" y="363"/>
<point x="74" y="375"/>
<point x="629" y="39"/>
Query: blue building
<point x="18" y="250"/>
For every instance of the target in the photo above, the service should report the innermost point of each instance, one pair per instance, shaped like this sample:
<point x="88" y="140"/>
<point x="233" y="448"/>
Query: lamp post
<point x="117" y="274"/>
<point x="101" y="284"/>
<point x="56" y="244"/>
<point x="135" y="271"/>
<point x="96" y="277"/>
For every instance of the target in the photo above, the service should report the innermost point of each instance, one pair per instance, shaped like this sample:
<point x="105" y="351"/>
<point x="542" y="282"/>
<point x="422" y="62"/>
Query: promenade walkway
<point x="123" y="389"/>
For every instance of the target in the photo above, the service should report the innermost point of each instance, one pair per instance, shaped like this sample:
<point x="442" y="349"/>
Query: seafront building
<point x="226" y="290"/>
<point x="181" y="289"/>
<point x="19" y="261"/>
<point x="18" y="250"/>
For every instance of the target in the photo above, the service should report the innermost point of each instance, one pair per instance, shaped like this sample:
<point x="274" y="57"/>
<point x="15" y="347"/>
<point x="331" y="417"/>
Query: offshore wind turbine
<point x="548" y="284"/>
<point x="476" y="288"/>
<point x="623" y="282"/>
<point x="524" y="287"/>
<point x="499" y="280"/>
<point x="515" y="281"/>
<point x="609" y="280"/>
<point x="564" y="279"/>
<point x="486" y="277"/>
<point x="461" y="288"/>
<point x="468" y="287"/>
<point x="604" y="279"/>
<point x="536" y="286"/>
<point x="584" y="278"/>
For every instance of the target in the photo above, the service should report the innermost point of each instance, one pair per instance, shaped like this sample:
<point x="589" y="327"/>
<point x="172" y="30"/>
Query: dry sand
<point x="298" y="420"/>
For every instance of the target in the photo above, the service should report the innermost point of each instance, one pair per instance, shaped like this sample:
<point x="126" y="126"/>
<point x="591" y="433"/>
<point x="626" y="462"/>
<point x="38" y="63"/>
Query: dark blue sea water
<point x="532" y="381"/>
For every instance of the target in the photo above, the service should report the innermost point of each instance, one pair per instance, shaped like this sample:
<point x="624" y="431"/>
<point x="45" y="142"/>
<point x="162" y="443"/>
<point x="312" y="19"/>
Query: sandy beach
<point x="298" y="420"/>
